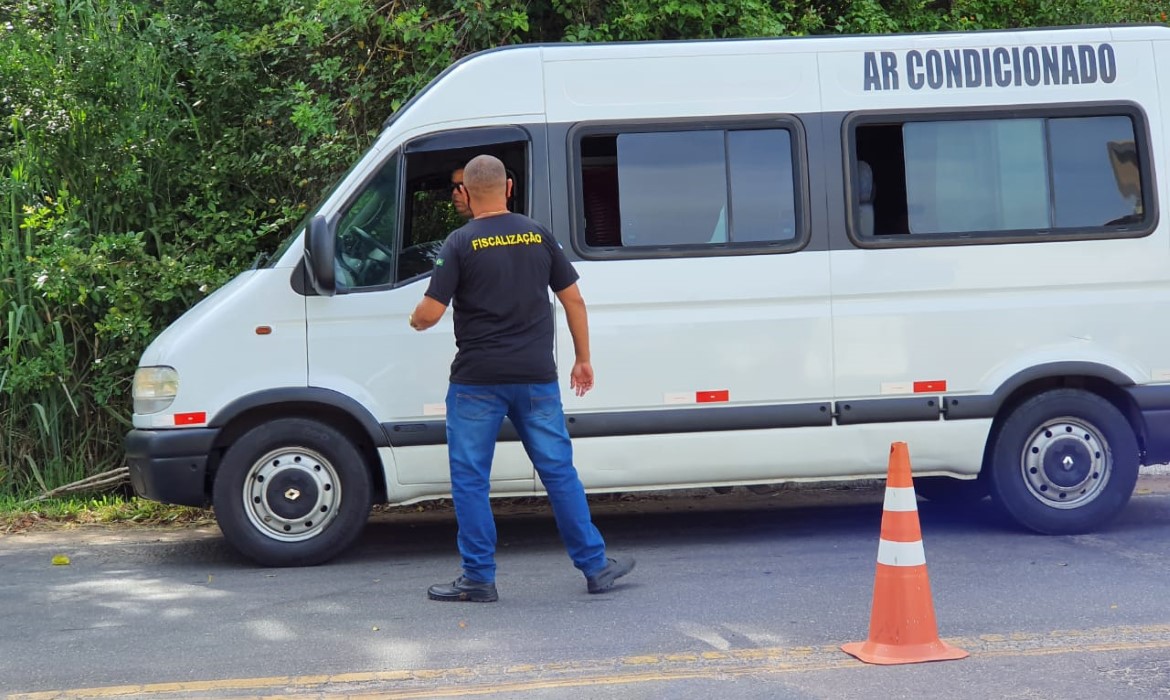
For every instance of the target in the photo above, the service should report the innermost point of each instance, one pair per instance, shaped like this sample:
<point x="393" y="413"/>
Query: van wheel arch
<point x="1092" y="383"/>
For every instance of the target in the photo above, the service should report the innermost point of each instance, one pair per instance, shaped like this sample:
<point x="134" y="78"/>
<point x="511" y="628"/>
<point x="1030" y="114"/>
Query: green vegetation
<point x="17" y="516"/>
<point x="149" y="151"/>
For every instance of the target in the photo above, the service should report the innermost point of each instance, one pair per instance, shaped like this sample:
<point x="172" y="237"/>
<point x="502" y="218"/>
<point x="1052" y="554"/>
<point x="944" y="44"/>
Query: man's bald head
<point x="486" y="178"/>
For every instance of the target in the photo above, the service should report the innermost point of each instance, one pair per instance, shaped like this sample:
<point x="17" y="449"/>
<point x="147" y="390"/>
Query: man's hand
<point x="581" y="378"/>
<point x="426" y="314"/>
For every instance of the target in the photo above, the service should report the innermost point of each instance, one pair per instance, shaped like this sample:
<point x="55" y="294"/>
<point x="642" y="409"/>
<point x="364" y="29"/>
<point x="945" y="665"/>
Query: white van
<point x="794" y="252"/>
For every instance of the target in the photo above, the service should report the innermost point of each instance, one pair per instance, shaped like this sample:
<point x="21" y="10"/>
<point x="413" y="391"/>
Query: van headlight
<point x="154" y="389"/>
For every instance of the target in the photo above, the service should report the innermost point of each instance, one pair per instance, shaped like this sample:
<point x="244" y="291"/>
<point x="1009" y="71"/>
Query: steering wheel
<point x="372" y="241"/>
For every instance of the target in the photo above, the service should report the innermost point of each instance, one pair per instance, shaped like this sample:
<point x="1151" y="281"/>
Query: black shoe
<point x="464" y="589"/>
<point x="616" y="568"/>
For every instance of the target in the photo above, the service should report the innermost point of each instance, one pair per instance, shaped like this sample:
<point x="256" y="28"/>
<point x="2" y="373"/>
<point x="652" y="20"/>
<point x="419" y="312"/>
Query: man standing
<point x="498" y="269"/>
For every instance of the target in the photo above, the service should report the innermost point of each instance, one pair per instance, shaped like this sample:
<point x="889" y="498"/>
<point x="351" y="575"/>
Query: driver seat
<point x="345" y="278"/>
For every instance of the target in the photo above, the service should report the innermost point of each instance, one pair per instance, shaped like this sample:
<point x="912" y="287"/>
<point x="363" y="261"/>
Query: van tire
<point x="1064" y="462"/>
<point x="262" y="479"/>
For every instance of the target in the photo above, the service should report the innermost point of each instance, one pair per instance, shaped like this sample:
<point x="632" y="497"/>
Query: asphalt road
<point x="739" y="595"/>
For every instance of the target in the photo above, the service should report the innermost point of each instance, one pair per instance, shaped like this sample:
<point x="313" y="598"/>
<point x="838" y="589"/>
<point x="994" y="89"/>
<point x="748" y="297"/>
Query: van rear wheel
<point x="292" y="492"/>
<point x="1064" y="462"/>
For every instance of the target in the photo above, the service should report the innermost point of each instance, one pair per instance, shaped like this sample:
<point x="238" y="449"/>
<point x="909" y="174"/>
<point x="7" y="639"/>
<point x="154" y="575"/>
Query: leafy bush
<point x="151" y="150"/>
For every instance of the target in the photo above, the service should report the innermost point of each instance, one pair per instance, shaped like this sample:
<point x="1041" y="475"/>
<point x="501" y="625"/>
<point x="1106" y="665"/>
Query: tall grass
<point x="42" y="437"/>
<point x="80" y="178"/>
<point x="146" y="154"/>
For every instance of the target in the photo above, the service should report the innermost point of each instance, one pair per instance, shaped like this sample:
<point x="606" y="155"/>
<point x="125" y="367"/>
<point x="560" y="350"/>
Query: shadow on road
<point x="670" y="521"/>
<point x="635" y="521"/>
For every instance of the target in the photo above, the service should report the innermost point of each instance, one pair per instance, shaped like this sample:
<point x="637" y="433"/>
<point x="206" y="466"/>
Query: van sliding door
<point x="708" y="305"/>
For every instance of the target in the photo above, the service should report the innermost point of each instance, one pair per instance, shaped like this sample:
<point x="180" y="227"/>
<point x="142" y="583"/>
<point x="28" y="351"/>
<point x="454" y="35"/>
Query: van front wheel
<point x="292" y="492"/>
<point x="1064" y="462"/>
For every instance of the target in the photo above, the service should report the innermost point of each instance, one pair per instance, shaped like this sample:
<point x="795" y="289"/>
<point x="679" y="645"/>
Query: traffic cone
<point x="902" y="628"/>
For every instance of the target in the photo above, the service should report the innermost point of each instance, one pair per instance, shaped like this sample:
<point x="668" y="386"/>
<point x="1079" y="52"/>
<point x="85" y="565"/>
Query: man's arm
<point x="427" y="313"/>
<point x="444" y="280"/>
<point x="581" y="377"/>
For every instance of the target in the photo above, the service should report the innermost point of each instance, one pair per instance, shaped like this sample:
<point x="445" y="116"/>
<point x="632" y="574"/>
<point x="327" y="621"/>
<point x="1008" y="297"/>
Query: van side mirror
<point x="319" y="242"/>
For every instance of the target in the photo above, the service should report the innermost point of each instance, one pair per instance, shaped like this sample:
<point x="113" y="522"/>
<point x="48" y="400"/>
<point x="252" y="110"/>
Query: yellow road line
<point x="713" y="673"/>
<point x="644" y="668"/>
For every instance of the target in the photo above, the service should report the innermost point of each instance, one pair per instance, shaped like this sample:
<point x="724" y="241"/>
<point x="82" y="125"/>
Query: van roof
<point x="1134" y="31"/>
<point x="559" y="51"/>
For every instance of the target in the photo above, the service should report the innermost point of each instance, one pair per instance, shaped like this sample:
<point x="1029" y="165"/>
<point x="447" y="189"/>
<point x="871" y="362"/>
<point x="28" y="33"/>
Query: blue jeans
<point x="474" y="417"/>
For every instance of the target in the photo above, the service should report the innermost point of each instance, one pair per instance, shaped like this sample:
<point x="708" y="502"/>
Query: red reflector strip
<point x="712" y="396"/>
<point x="190" y="418"/>
<point x="926" y="387"/>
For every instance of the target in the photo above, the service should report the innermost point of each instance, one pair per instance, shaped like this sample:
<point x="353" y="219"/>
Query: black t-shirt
<point x="498" y="270"/>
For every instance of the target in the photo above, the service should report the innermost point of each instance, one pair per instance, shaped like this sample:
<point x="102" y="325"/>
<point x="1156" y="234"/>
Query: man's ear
<point x="509" y="190"/>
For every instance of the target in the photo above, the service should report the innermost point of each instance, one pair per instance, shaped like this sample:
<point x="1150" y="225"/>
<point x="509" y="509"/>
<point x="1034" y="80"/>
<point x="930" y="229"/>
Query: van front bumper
<point x="170" y="466"/>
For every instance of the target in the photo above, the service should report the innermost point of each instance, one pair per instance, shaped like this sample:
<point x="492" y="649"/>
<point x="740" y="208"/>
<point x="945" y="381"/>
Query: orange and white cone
<point x="902" y="628"/>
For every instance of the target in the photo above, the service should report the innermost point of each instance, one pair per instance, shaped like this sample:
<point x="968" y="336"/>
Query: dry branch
<point x="114" y="477"/>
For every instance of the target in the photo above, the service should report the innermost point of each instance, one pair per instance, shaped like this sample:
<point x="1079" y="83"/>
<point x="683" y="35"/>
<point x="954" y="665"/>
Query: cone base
<point x="888" y="654"/>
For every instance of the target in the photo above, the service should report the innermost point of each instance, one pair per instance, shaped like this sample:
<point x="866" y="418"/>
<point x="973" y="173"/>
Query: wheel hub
<point x="291" y="494"/>
<point x="1065" y="463"/>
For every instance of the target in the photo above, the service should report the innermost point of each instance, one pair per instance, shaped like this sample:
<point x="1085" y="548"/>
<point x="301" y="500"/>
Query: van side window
<point x="430" y="213"/>
<point x="645" y="191"/>
<point x="364" y="254"/>
<point x="378" y="245"/>
<point x="999" y="176"/>
<point x="1095" y="175"/>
